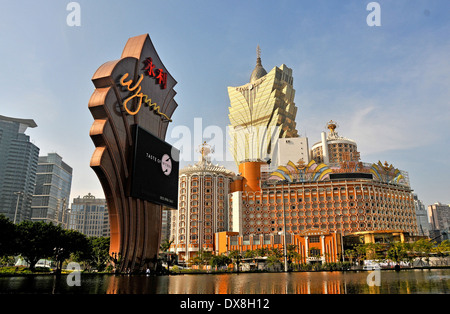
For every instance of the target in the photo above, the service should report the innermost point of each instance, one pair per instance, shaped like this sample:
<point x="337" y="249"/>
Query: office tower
<point x="89" y="215"/>
<point x="422" y="217"/>
<point x="260" y="112"/>
<point x="52" y="193"/>
<point x="202" y="208"/>
<point x="18" y="164"/>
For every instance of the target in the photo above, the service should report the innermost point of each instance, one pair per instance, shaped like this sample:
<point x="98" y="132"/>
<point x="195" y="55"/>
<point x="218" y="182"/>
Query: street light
<point x="284" y="232"/>
<point x="17" y="205"/>
<point x="342" y="238"/>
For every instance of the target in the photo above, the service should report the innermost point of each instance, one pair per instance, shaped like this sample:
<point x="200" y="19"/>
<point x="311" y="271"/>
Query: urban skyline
<point x="386" y="85"/>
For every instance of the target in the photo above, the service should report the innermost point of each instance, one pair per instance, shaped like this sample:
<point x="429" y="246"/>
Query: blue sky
<point x="386" y="86"/>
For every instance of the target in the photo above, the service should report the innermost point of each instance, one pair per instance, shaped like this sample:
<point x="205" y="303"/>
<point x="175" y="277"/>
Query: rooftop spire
<point x="259" y="71"/>
<point x="258" y="55"/>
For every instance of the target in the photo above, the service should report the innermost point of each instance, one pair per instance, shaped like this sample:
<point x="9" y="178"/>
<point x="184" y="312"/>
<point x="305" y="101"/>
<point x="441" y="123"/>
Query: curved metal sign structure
<point x="133" y="92"/>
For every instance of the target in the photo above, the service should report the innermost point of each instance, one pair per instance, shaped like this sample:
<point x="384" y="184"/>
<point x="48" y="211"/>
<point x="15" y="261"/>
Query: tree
<point x="351" y="254"/>
<point x="443" y="249"/>
<point x="275" y="252"/>
<point x="165" y="245"/>
<point x="98" y="255"/>
<point x="372" y="250"/>
<point x="261" y="252"/>
<point x="69" y="242"/>
<point x="397" y="252"/>
<point x="292" y="254"/>
<point x="236" y="258"/>
<point x="35" y="241"/>
<point x="219" y="260"/>
<point x="422" y="248"/>
<point x="273" y="261"/>
<point x="249" y="254"/>
<point x="8" y="237"/>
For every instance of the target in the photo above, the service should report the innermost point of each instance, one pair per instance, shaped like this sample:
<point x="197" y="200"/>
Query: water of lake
<point x="431" y="281"/>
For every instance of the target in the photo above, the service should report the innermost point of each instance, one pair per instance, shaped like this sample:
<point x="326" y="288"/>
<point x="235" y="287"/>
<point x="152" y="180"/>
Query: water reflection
<point x="391" y="282"/>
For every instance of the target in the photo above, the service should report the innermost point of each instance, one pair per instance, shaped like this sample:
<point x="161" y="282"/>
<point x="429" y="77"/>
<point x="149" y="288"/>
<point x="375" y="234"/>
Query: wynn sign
<point x="132" y="106"/>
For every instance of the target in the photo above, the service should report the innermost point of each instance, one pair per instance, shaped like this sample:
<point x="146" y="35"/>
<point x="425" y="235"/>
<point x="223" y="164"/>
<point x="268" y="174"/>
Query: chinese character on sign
<point x="162" y="78"/>
<point x="149" y="66"/>
<point x="151" y="71"/>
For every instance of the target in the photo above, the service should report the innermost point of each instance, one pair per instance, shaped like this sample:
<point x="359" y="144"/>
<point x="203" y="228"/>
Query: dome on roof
<point x="259" y="70"/>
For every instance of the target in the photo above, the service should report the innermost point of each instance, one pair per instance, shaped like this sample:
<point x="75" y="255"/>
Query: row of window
<point x="324" y="226"/>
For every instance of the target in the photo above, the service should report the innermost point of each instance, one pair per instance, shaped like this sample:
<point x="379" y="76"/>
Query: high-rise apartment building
<point x="260" y="112"/>
<point x="18" y="164"/>
<point x="202" y="207"/>
<point x="52" y="193"/>
<point x="89" y="215"/>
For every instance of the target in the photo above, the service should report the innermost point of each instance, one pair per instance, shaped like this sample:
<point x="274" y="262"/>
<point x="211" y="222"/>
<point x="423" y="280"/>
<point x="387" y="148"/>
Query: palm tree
<point x="261" y="252"/>
<point x="235" y="257"/>
<point x="422" y="248"/>
<point x="165" y="245"/>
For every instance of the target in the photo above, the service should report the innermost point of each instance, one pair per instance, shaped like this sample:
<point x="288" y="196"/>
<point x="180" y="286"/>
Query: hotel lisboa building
<point x="202" y="206"/>
<point x="286" y="193"/>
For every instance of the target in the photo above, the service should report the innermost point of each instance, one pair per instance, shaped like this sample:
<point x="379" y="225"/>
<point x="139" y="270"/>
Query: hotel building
<point x="344" y="198"/>
<point x="315" y="199"/>
<point x="202" y="207"/>
<point x="260" y="112"/>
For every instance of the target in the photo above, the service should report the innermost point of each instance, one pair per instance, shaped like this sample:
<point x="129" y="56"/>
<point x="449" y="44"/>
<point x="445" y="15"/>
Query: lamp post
<point x="284" y="233"/>
<point x="17" y="205"/>
<point x="342" y="238"/>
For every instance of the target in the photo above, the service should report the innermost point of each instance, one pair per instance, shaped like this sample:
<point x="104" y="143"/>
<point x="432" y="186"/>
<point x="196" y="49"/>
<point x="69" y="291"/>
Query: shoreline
<point x="204" y="272"/>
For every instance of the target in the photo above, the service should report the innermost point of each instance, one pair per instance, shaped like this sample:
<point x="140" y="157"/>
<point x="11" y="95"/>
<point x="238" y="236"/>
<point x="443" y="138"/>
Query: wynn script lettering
<point x="136" y="88"/>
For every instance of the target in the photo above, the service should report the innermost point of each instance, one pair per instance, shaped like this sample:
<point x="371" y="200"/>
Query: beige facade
<point x="260" y="112"/>
<point x="202" y="207"/>
<point x="89" y="215"/>
<point x="292" y="149"/>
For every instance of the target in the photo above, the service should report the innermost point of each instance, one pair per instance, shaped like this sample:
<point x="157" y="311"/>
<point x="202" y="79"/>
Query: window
<point x="314" y="239"/>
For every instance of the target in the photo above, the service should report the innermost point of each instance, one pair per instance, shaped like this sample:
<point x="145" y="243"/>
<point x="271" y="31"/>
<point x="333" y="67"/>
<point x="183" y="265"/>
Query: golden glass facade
<point x="260" y="112"/>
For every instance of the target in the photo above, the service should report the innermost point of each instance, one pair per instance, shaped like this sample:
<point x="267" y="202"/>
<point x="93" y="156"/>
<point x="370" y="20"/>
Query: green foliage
<point x="219" y="260"/>
<point x="8" y="237"/>
<point x="97" y="254"/>
<point x="38" y="240"/>
<point x="165" y="245"/>
<point x="397" y="252"/>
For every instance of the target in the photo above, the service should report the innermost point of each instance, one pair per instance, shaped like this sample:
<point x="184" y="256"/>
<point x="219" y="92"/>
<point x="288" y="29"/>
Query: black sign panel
<point x="350" y="175"/>
<point x="155" y="169"/>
